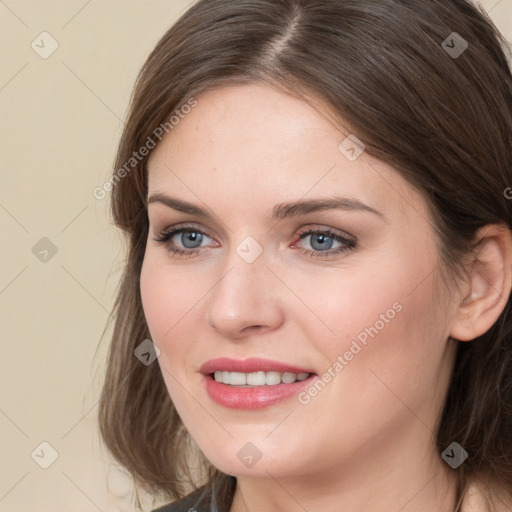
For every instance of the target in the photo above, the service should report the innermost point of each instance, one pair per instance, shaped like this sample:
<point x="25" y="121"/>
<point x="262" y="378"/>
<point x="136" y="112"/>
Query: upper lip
<point x="253" y="364"/>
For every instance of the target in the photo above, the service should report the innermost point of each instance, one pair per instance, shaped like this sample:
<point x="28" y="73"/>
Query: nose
<point x="245" y="300"/>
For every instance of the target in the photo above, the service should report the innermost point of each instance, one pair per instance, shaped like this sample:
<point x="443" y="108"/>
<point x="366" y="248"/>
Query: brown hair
<point x="442" y="120"/>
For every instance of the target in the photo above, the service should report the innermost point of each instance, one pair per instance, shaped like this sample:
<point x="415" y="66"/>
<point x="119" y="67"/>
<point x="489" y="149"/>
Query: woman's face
<point x="281" y="262"/>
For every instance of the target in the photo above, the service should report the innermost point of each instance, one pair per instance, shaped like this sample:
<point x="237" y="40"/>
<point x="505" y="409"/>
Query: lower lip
<point x="252" y="398"/>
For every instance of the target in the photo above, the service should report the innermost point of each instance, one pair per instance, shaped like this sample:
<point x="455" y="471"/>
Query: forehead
<point x="255" y="145"/>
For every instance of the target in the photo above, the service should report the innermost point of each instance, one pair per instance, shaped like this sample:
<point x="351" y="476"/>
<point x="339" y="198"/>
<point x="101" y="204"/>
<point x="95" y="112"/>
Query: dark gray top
<point x="194" y="502"/>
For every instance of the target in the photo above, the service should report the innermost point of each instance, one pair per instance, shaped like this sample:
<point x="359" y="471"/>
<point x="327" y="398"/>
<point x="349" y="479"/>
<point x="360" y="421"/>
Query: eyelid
<point x="162" y="219"/>
<point x="348" y="243"/>
<point x="183" y="226"/>
<point x="321" y="228"/>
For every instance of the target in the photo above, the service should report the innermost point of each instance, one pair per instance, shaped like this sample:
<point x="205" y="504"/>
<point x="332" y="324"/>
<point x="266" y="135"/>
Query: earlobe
<point x="489" y="284"/>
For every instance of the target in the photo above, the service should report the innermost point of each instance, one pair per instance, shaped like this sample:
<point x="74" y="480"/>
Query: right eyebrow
<point x="179" y="205"/>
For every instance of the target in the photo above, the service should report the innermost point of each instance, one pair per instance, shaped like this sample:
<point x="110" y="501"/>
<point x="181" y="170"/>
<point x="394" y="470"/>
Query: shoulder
<point x="194" y="502"/>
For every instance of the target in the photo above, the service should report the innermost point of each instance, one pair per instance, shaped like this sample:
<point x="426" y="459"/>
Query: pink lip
<point x="253" y="364"/>
<point x="251" y="398"/>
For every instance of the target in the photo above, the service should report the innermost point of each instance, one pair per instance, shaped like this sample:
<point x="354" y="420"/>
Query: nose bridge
<point x="242" y="297"/>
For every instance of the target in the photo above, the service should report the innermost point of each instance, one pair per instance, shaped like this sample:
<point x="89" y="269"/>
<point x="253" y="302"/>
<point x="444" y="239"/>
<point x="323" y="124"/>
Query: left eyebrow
<point x="280" y="211"/>
<point x="297" y="208"/>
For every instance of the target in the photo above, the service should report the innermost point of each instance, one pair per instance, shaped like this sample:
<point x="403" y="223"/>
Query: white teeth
<point x="272" y="378"/>
<point x="258" y="378"/>
<point x="288" y="378"/>
<point x="237" y="379"/>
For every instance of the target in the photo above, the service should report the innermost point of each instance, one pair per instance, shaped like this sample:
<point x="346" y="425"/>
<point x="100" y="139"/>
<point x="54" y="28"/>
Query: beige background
<point x="60" y="120"/>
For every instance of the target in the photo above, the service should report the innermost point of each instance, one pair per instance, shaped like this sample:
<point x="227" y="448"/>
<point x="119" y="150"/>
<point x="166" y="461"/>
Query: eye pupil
<point x="324" y="242"/>
<point x="191" y="237"/>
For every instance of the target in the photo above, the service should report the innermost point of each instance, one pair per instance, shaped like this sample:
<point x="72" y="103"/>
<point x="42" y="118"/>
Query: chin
<point x="253" y="459"/>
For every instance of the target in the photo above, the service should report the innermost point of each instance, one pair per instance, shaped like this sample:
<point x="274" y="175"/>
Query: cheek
<point x="397" y="354"/>
<point x="172" y="301"/>
<point x="167" y="298"/>
<point x="168" y="307"/>
<point x="361" y="302"/>
<point x="378" y="320"/>
<point x="155" y="297"/>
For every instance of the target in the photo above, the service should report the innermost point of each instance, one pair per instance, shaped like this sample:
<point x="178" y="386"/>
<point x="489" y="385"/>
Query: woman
<point x="314" y="313"/>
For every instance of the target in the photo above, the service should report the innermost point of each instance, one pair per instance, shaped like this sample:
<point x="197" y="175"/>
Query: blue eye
<point x="322" y="241"/>
<point x="188" y="241"/>
<point x="190" y="238"/>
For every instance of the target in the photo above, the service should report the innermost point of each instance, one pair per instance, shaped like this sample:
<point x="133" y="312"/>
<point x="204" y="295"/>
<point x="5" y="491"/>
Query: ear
<point x="489" y="284"/>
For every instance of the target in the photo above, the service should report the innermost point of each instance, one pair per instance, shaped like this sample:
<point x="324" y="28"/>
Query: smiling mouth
<point x="253" y="384"/>
<point x="255" y="379"/>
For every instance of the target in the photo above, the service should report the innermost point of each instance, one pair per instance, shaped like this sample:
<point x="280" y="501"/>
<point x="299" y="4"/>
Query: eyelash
<point x="165" y="237"/>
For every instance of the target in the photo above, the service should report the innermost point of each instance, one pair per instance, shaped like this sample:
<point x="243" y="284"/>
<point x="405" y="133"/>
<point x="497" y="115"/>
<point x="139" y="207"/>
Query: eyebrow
<point x="280" y="211"/>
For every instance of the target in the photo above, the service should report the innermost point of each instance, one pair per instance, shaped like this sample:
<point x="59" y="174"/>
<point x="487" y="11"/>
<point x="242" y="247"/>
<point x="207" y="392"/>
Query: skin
<point x="367" y="439"/>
